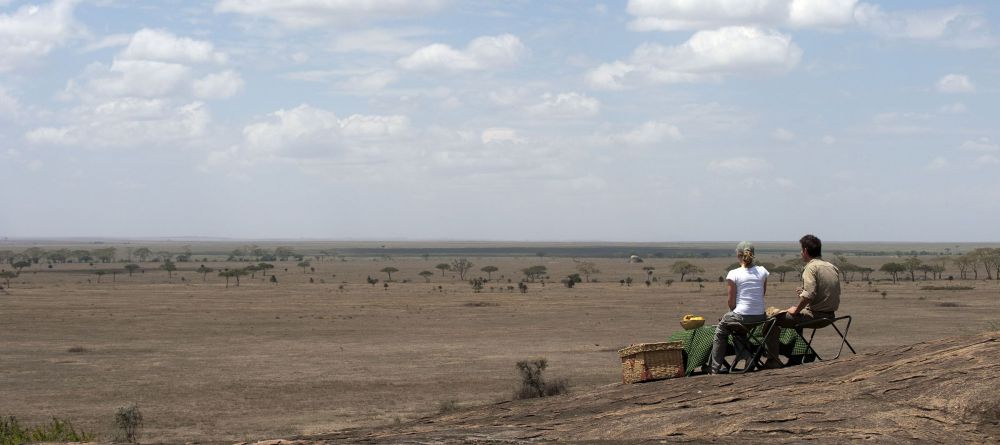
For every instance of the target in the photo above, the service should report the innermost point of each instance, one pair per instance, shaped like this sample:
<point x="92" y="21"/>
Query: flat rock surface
<point x="943" y="391"/>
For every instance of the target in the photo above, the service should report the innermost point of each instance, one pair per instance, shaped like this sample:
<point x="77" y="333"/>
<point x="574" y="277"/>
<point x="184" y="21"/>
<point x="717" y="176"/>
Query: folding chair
<point x="744" y="336"/>
<point x="820" y="323"/>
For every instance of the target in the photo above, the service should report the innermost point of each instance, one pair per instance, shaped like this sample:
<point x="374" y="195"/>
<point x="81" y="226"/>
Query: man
<point x="819" y="296"/>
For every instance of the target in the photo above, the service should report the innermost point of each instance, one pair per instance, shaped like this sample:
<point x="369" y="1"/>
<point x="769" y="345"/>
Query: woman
<point x="747" y="285"/>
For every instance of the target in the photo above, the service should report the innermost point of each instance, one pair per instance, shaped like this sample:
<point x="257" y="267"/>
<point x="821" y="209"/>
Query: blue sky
<point x="670" y="120"/>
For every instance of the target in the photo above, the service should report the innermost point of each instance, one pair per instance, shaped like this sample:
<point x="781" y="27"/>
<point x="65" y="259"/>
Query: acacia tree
<point x="461" y="266"/>
<point x="170" y="267"/>
<point x="143" y="253"/>
<point x="534" y="272"/>
<point x="426" y="274"/>
<point x="443" y="267"/>
<point x="264" y="267"/>
<point x="893" y="269"/>
<point x="204" y="271"/>
<point x="100" y="273"/>
<point x="781" y="271"/>
<point x="303" y="265"/>
<point x="7" y="275"/>
<point x="587" y="269"/>
<point x="388" y="271"/>
<point x="131" y="268"/>
<point x="685" y="268"/>
<point x="489" y="271"/>
<point x="21" y="265"/>
<point x="912" y="264"/>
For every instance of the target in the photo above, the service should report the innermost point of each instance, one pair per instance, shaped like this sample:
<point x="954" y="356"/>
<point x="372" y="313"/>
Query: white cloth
<point x="749" y="289"/>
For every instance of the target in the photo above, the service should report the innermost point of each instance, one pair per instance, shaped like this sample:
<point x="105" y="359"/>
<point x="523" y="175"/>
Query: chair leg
<point x="843" y="335"/>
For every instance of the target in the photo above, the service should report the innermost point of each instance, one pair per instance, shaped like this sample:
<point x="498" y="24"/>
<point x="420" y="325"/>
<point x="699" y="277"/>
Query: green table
<point x="698" y="346"/>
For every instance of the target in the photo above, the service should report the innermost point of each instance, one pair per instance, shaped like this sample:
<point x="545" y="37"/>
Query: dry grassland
<point x="208" y="363"/>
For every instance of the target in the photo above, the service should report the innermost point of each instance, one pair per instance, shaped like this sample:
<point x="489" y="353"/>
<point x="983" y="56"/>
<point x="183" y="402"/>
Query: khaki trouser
<point x="786" y="321"/>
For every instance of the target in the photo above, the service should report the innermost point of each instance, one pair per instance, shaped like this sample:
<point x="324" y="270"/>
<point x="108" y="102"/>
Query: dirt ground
<point x="212" y="364"/>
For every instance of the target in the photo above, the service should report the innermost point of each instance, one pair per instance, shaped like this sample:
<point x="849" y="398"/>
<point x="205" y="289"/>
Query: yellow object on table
<point x="692" y="322"/>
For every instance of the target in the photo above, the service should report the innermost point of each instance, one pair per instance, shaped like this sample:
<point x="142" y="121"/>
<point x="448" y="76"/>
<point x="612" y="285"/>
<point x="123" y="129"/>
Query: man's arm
<point x="806" y="292"/>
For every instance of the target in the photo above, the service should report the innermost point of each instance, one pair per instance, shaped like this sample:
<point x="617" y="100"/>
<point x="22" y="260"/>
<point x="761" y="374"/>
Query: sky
<point x="638" y="121"/>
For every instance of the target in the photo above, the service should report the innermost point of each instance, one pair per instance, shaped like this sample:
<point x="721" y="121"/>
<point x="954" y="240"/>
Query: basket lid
<point x="647" y="347"/>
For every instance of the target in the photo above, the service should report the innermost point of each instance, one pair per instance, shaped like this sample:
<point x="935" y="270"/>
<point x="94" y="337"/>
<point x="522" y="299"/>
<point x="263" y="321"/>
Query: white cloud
<point x="111" y="41"/>
<point x="649" y="133"/>
<point x="157" y="64"/>
<point x="32" y="32"/>
<point x="738" y="165"/>
<point x="955" y="108"/>
<point x="163" y="46"/>
<point x="566" y="105"/>
<point x="482" y="53"/>
<point x="938" y="163"/>
<point x="707" y="55"/>
<point x="674" y="15"/>
<point x="500" y="134"/>
<point x="9" y="105"/>
<point x="313" y="13"/>
<point x="218" y="85"/>
<point x="139" y="78"/>
<point x="782" y="134"/>
<point x="955" y="26"/>
<point x="309" y="132"/>
<point x="127" y="123"/>
<point x="987" y="160"/>
<point x="983" y="144"/>
<point x="955" y="83"/>
<point x="384" y="41"/>
<point x="829" y="140"/>
<point x="901" y="123"/>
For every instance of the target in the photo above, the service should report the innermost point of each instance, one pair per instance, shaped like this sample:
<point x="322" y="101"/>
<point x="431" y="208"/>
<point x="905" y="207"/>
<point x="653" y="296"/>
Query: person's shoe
<point x="722" y="370"/>
<point x="772" y="364"/>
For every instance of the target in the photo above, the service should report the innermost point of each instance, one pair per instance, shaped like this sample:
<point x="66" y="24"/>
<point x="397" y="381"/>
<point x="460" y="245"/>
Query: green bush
<point x="12" y="433"/>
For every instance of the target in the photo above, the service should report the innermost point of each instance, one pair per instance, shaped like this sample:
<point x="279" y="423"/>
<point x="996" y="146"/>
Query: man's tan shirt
<point x="821" y="286"/>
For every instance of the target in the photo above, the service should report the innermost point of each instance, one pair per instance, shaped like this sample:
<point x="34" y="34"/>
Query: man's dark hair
<point x="812" y="245"/>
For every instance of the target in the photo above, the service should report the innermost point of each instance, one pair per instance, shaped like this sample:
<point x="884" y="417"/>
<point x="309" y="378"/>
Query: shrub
<point x="533" y="382"/>
<point x="128" y="419"/>
<point x="447" y="406"/>
<point x="12" y="433"/>
<point x="76" y="349"/>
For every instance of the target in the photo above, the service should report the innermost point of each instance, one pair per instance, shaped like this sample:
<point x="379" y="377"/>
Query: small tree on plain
<point x="304" y="265"/>
<point x="388" y="271"/>
<point x="587" y="269"/>
<point x="131" y="268"/>
<point x="489" y="271"/>
<point x="443" y="267"/>
<point x="426" y="274"/>
<point x="7" y="275"/>
<point x="170" y="267"/>
<point x="204" y="271"/>
<point x="685" y="268"/>
<point x="461" y="266"/>
<point x="893" y="269"/>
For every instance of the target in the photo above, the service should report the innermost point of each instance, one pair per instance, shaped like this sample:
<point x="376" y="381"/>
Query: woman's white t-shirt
<point x="749" y="289"/>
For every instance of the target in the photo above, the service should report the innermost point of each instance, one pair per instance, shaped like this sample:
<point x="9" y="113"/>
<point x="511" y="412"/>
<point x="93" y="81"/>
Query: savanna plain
<point x="321" y="346"/>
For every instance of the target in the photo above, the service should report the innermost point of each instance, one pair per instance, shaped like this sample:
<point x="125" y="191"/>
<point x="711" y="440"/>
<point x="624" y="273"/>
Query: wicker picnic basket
<point x="652" y="361"/>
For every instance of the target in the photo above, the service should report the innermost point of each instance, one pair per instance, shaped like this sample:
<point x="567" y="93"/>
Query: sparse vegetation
<point x="128" y="419"/>
<point x="533" y="382"/>
<point x="13" y="433"/>
<point x="950" y="288"/>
